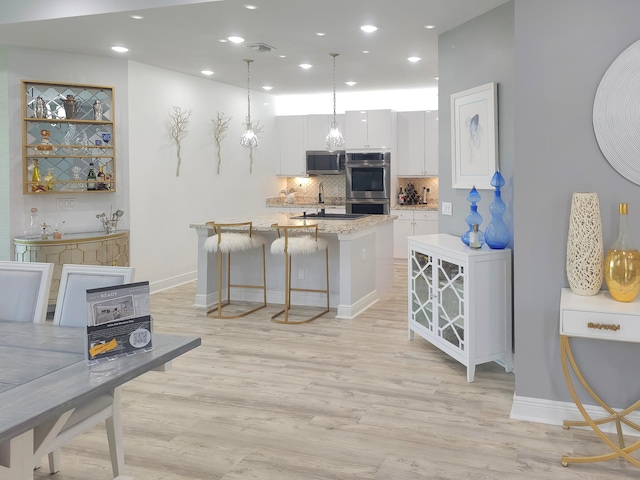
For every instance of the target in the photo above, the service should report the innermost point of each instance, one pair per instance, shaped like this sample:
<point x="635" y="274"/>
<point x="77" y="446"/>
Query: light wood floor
<point x="334" y="399"/>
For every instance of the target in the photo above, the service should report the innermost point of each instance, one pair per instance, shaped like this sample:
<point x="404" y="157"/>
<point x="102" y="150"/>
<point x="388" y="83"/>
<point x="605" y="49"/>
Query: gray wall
<point x="548" y="58"/>
<point x="562" y="50"/>
<point x="478" y="52"/>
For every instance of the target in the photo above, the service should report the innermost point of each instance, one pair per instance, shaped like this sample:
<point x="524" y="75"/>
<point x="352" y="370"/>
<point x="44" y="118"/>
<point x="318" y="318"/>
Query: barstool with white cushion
<point x="299" y="240"/>
<point x="228" y="238"/>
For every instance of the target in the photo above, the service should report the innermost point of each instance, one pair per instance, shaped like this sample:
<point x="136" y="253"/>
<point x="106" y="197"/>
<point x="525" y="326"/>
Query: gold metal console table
<point x="597" y="317"/>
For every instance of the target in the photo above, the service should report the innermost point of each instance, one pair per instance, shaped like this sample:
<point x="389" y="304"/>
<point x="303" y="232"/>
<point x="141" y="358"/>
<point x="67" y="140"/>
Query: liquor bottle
<point x="622" y="265"/>
<point x="36" y="186"/>
<point x="91" y="178"/>
<point x="401" y="197"/>
<point x="100" y="184"/>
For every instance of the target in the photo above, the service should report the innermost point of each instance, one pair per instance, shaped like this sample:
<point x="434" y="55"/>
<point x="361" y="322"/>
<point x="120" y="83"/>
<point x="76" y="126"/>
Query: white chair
<point x="71" y="310"/>
<point x="71" y="305"/>
<point x="296" y="240"/>
<point x="24" y="291"/>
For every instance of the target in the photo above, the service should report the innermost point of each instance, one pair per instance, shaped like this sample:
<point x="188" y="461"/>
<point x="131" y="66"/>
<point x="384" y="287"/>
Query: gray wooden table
<point x="43" y="374"/>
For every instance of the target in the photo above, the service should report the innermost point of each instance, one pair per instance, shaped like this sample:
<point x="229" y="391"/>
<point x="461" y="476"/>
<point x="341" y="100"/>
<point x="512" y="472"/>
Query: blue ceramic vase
<point x="497" y="234"/>
<point x="473" y="217"/>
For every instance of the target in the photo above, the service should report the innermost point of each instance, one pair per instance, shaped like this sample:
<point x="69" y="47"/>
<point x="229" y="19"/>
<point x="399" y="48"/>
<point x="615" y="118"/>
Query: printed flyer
<point x="119" y="321"/>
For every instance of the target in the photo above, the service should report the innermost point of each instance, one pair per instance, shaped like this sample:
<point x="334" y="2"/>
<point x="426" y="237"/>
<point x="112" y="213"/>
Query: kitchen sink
<point x="333" y="216"/>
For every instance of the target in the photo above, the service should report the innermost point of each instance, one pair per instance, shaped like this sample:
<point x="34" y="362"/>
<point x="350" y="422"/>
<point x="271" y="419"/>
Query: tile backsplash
<point x="334" y="186"/>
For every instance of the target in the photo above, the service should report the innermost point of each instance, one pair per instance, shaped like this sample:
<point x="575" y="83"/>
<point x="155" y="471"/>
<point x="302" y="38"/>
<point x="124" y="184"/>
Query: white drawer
<point x="602" y="325"/>
<point x="425" y="215"/>
<point x="403" y="214"/>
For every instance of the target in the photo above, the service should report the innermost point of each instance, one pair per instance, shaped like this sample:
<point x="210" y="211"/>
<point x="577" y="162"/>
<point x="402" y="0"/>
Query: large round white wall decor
<point x="616" y="114"/>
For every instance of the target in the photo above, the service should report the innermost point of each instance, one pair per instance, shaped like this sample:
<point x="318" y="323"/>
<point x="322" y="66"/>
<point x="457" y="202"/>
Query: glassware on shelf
<point x="32" y="231"/>
<point x="49" y="180"/>
<point x="40" y="108"/>
<point x="45" y="147"/>
<point x="36" y="186"/>
<point x="622" y="265"/>
<point x="70" y="107"/>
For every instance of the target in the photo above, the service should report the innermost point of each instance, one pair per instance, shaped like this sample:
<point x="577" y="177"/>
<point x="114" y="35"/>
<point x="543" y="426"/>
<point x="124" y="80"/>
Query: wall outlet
<point x="301" y="274"/>
<point x="447" y="208"/>
<point x="364" y="254"/>
<point x="66" y="203"/>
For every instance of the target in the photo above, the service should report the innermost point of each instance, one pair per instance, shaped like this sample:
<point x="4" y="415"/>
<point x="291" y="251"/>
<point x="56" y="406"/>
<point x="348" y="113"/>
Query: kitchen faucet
<point x="321" y="198"/>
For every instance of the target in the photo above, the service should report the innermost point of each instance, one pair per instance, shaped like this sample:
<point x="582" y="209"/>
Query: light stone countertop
<point x="305" y="202"/>
<point x="420" y="206"/>
<point x="262" y="222"/>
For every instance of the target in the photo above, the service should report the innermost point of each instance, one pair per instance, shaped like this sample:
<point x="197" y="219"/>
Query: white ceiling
<point x="185" y="38"/>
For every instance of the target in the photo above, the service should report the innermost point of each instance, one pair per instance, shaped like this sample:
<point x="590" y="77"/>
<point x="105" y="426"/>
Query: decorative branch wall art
<point x="219" y="132"/>
<point x="178" y="124"/>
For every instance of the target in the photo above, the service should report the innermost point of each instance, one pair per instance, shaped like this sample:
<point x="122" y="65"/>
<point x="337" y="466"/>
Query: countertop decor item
<point x="616" y="113"/>
<point x="178" y="124"/>
<point x="220" y="126"/>
<point x="585" y="253"/>
<point x="497" y="233"/>
<point x="473" y="217"/>
<point x="334" y="137"/>
<point x="622" y="265"/>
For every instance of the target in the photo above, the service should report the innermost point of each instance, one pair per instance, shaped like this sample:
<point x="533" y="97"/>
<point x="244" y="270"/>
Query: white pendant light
<point x="249" y="138"/>
<point x="334" y="138"/>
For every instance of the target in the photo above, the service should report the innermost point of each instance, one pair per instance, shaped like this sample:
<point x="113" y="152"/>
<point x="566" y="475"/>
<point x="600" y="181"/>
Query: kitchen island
<point x="360" y="263"/>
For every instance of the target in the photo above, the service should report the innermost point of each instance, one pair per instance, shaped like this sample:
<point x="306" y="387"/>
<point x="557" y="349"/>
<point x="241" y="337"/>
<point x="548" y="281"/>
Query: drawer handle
<point x="603" y="326"/>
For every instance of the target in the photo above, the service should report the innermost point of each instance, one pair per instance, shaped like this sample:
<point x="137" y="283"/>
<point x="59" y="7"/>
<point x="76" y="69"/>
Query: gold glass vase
<point x="622" y="265"/>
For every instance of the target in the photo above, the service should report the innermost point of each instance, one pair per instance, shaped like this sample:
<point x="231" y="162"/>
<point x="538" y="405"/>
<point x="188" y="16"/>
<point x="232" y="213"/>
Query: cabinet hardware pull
<point x="603" y="326"/>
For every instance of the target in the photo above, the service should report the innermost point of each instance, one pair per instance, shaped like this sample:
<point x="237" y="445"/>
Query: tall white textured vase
<point x="585" y="252"/>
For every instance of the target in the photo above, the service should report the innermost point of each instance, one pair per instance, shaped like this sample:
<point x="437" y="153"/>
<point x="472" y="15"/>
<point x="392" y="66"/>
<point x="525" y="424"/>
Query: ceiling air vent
<point x="260" y="47"/>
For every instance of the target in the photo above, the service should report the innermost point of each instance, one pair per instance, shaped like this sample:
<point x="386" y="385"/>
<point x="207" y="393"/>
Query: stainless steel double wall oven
<point x="368" y="177"/>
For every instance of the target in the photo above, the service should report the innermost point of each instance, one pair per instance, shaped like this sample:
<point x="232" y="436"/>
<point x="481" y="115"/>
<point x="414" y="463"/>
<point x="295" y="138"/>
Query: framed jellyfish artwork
<point x="474" y="137"/>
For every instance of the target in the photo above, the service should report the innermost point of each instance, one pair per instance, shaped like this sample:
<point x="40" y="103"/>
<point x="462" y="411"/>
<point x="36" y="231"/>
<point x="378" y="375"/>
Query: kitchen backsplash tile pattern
<point x="334" y="186"/>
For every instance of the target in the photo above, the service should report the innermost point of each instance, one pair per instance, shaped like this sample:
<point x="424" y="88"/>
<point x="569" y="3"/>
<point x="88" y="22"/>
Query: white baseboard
<point x="554" y="413"/>
<point x="171" y="282"/>
<point x="349" y="312"/>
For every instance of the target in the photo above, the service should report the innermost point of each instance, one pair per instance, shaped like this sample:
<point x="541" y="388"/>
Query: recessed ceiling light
<point x="137" y="17"/>
<point x="305" y="65"/>
<point x="320" y="34"/>
<point x="223" y="40"/>
<point x="414" y="59"/>
<point x="282" y="56"/>
<point x="368" y="28"/>
<point x="235" y="39"/>
<point x="267" y="87"/>
<point x="250" y="7"/>
<point x="366" y="51"/>
<point x="350" y="83"/>
<point x="429" y="27"/>
<point x="119" y="49"/>
<point x="206" y="72"/>
<point x="437" y="78"/>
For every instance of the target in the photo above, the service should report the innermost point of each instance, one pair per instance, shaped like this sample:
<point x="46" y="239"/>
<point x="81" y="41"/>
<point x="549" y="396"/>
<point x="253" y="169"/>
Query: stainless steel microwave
<point x="325" y="163"/>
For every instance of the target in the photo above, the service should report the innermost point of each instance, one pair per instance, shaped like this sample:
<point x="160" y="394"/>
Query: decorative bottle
<point x="36" y="186"/>
<point x="473" y="217"/>
<point x="100" y="184"/>
<point x="622" y="264"/>
<point x="401" y="197"/>
<point x="474" y="237"/>
<point x="91" y="178"/>
<point x="497" y="233"/>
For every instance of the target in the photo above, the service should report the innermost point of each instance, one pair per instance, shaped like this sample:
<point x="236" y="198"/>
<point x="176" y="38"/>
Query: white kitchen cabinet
<point x="417" y="144"/>
<point x="317" y="129"/>
<point x="368" y="129"/>
<point x="292" y="145"/>
<point x="408" y="223"/>
<point x="460" y="299"/>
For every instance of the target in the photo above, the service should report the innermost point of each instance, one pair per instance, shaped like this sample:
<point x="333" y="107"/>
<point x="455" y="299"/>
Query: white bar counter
<point x="360" y="263"/>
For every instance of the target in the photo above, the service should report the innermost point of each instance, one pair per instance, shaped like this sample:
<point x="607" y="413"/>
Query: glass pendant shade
<point x="249" y="138"/>
<point x="334" y="138"/>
